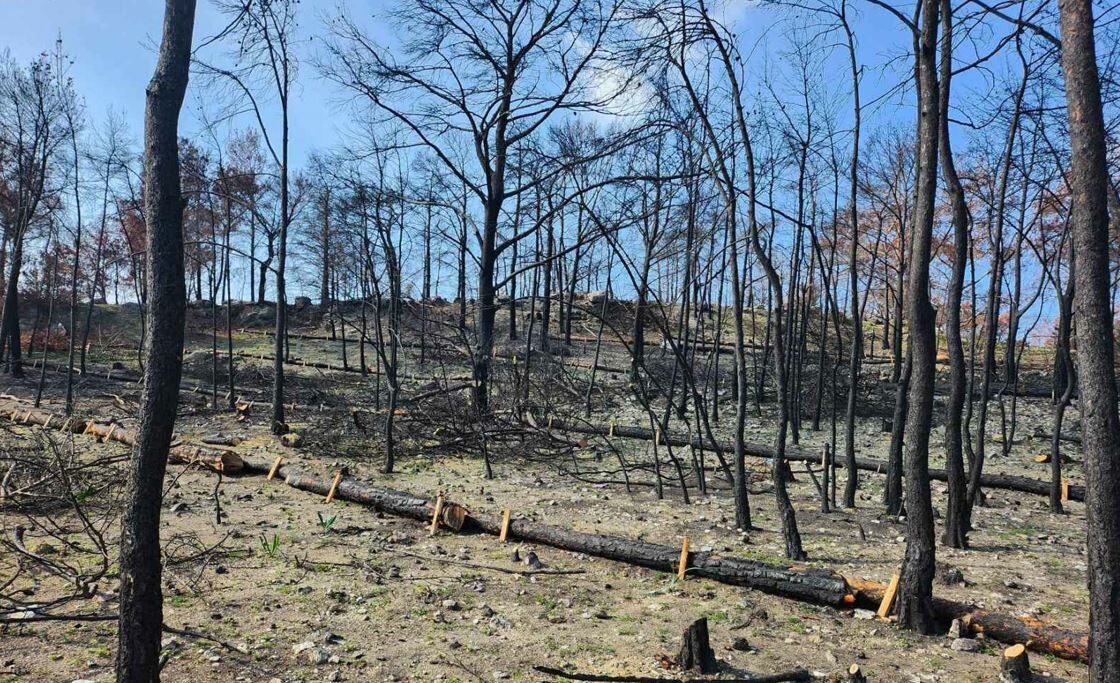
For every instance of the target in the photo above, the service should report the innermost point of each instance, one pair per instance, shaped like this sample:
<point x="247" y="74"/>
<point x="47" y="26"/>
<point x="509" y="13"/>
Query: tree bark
<point x="1100" y="424"/>
<point x="955" y="528"/>
<point x="915" y="593"/>
<point x="141" y="598"/>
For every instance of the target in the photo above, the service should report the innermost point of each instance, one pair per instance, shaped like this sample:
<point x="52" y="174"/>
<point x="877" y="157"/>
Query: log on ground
<point x="1007" y="482"/>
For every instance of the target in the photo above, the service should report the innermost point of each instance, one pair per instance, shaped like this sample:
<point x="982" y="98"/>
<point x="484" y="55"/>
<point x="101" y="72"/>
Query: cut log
<point x="696" y="651"/>
<point x="1006" y="482"/>
<point x="216" y="459"/>
<point x="1038" y="636"/>
<point x="795" y="676"/>
<point x="855" y="675"/>
<point x="1015" y="666"/>
<point x="811" y="585"/>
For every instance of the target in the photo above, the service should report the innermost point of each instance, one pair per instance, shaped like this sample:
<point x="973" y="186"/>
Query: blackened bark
<point x="9" y="326"/>
<point x="853" y="280"/>
<point x="1064" y="383"/>
<point x="892" y="490"/>
<point x="915" y="594"/>
<point x="141" y="599"/>
<point x="1100" y="424"/>
<point x="955" y="528"/>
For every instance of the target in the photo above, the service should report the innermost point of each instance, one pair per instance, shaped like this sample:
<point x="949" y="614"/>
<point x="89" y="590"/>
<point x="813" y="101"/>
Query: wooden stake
<point x="112" y="428"/>
<point x="47" y="424"/>
<point x="334" y="486"/>
<point x="436" y="514"/>
<point x="682" y="566"/>
<point x="1065" y="490"/>
<point x="610" y="432"/>
<point x="505" y="526"/>
<point x="275" y="467"/>
<point x="888" y="598"/>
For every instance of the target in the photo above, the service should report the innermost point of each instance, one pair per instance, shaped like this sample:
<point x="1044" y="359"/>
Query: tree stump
<point x="855" y="675"/>
<point x="696" y="651"/>
<point x="1016" y="666"/>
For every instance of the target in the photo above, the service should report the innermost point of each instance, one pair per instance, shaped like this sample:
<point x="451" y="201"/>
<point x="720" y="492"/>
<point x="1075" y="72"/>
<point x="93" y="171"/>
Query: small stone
<point x="451" y="605"/>
<point x="741" y="644"/>
<point x="317" y="656"/>
<point x="336" y="675"/>
<point x="305" y="645"/>
<point x="965" y="645"/>
<point x="956" y="628"/>
<point x="863" y="614"/>
<point x="291" y="440"/>
<point x="949" y="575"/>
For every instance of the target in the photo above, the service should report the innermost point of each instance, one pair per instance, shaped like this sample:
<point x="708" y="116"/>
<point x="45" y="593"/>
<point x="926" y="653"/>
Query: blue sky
<point x="112" y="43"/>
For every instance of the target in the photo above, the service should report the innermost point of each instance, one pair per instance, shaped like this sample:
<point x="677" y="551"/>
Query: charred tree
<point x="141" y="598"/>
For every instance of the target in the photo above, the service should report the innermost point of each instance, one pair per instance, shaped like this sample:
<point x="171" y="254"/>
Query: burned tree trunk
<point x="955" y="528"/>
<point x="141" y="599"/>
<point x="696" y="651"/>
<point x="1100" y="423"/>
<point x="915" y="596"/>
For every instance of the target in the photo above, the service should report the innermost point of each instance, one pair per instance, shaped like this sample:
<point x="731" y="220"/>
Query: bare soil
<point x="300" y="590"/>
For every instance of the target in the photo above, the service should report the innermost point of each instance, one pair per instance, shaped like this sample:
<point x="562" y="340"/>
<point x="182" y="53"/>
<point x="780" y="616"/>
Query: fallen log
<point x="795" y="676"/>
<point x="132" y="377"/>
<point x="1008" y="482"/>
<point x="1033" y="633"/>
<point x="819" y="586"/>
<point x="516" y="358"/>
<point x="337" y="367"/>
<point x="215" y="459"/>
<point x="812" y="585"/>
